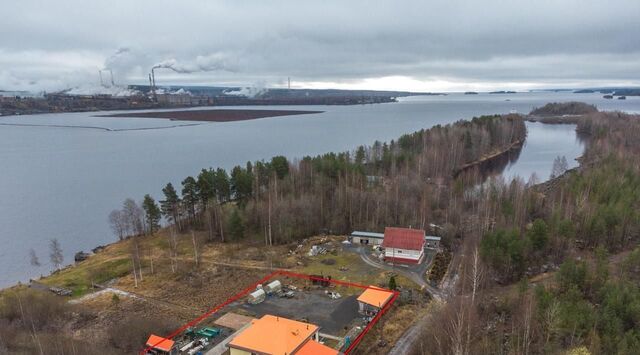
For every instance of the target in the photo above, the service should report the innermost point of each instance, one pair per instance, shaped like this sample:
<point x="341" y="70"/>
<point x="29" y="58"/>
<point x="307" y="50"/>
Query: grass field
<point x="112" y="263"/>
<point x="349" y="267"/>
<point x="115" y="262"/>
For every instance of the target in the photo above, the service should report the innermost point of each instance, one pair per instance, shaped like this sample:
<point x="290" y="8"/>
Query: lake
<point x="63" y="173"/>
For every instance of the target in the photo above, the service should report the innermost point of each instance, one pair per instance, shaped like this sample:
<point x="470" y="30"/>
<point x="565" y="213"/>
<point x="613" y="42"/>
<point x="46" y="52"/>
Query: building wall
<point x="433" y="244"/>
<point x="238" y="352"/>
<point x="362" y="240"/>
<point x="366" y="308"/>
<point x="397" y="253"/>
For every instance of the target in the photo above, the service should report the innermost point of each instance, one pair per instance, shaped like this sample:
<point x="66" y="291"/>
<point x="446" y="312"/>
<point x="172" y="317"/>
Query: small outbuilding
<point x="366" y="238"/>
<point x="373" y="299"/>
<point x="159" y="345"/>
<point x="404" y="245"/>
<point x="256" y="296"/>
<point x="273" y="287"/>
<point x="432" y="242"/>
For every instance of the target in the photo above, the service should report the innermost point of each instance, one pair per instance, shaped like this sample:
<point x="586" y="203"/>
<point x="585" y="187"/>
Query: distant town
<point x="150" y="97"/>
<point x="135" y="97"/>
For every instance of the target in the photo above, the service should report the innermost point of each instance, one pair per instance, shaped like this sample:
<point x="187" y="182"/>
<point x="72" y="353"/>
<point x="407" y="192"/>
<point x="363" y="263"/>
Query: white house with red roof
<point x="403" y="245"/>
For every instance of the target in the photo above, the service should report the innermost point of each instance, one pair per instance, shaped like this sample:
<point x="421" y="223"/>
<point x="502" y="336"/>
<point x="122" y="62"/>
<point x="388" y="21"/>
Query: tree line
<point x="596" y="205"/>
<point x="278" y="201"/>
<point x="516" y="230"/>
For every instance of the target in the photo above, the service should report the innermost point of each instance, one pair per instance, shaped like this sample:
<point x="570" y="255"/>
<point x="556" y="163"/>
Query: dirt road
<point x="410" y="338"/>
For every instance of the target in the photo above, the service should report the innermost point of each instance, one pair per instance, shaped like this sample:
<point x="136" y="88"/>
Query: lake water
<point x="544" y="143"/>
<point x="63" y="173"/>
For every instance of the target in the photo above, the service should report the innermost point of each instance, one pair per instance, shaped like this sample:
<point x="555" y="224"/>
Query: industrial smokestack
<point x="112" y="82"/>
<point x="100" y="74"/>
<point x="153" y="84"/>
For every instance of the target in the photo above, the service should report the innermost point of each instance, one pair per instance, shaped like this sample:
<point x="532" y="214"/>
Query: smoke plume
<point x="116" y="59"/>
<point x="200" y="64"/>
<point x="258" y="89"/>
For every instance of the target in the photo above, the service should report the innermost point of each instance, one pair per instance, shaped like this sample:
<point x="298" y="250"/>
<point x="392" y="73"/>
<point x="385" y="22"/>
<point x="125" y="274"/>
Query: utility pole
<point x="269" y="217"/>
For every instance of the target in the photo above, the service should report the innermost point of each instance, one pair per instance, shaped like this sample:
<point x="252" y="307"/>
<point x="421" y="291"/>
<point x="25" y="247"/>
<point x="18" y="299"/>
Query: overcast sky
<point x="399" y="45"/>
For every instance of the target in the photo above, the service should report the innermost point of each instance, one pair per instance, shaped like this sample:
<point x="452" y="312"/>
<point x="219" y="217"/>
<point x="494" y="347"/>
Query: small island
<point x="502" y="92"/>
<point x="571" y="108"/>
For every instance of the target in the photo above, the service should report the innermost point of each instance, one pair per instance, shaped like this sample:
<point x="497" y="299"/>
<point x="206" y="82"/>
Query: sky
<point x="382" y="45"/>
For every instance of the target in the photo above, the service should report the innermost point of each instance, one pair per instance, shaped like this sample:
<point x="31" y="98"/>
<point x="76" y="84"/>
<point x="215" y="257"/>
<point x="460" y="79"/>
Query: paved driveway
<point x="414" y="273"/>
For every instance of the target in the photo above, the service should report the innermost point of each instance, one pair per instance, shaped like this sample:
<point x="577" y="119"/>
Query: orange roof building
<point x="312" y="347"/>
<point x="161" y="344"/>
<point x="373" y="299"/>
<point x="271" y="335"/>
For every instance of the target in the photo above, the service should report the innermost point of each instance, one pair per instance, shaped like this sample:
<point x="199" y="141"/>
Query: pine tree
<point x="538" y="235"/>
<point x="280" y="165"/>
<point x="236" y="225"/>
<point x="392" y="283"/>
<point x="360" y="155"/>
<point x="190" y="196"/>
<point x="152" y="213"/>
<point x="241" y="183"/>
<point x="206" y="187"/>
<point x="170" y="206"/>
<point x="221" y="185"/>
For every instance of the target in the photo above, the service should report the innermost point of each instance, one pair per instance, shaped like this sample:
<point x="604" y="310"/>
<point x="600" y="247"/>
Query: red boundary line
<point x="253" y="286"/>
<point x="373" y="322"/>
<point x="212" y="311"/>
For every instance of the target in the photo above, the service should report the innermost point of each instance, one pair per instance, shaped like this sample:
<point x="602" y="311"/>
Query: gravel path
<point x="104" y="290"/>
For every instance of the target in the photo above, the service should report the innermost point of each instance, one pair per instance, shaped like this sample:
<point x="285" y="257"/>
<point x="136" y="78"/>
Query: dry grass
<point x="196" y="290"/>
<point x="390" y="327"/>
<point x="107" y="313"/>
<point x="182" y="295"/>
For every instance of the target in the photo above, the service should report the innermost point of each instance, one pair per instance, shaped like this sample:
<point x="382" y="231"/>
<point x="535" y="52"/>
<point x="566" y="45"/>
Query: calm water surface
<point x="63" y="173"/>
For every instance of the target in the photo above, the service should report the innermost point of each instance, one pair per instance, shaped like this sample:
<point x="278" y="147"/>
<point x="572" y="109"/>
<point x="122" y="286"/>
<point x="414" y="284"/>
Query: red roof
<point x="403" y="238"/>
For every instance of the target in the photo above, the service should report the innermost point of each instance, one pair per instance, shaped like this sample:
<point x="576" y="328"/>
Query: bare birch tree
<point x="173" y="248"/>
<point x="117" y="223"/>
<point x="55" y="253"/>
<point x="195" y="247"/>
<point x="136" y="259"/>
<point x="134" y="217"/>
<point x="33" y="258"/>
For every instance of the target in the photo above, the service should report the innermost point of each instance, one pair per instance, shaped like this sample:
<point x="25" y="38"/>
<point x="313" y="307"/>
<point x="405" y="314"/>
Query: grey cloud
<point x="214" y="42"/>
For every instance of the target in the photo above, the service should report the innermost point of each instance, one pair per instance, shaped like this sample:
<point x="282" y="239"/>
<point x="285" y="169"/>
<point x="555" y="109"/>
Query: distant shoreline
<point x="222" y="115"/>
